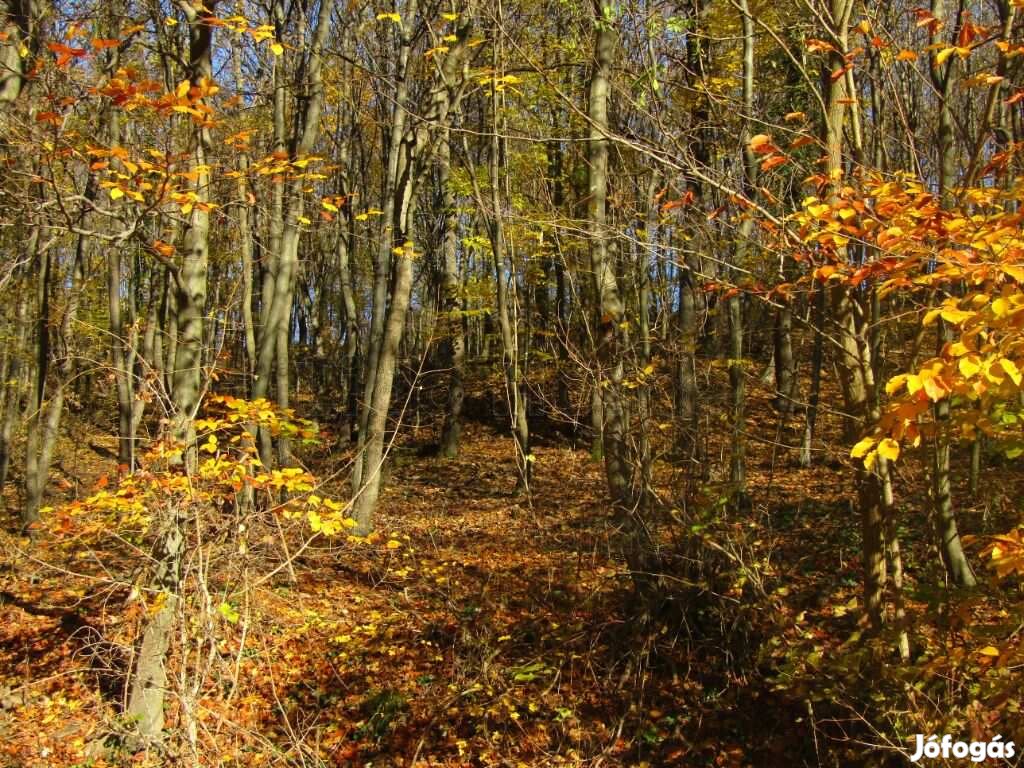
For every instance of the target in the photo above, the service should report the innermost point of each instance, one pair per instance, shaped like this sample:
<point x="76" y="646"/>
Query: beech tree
<point x="705" y="246"/>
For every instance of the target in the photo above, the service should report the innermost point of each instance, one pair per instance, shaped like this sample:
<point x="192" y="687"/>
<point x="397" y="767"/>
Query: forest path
<point x="475" y="627"/>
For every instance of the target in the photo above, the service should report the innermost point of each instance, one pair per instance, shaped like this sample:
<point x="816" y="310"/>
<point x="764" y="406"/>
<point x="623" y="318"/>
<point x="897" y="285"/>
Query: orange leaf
<point x="814" y="45"/>
<point x="164" y="249"/>
<point x="759" y="141"/>
<point x="840" y="72"/>
<point x="773" y="162"/>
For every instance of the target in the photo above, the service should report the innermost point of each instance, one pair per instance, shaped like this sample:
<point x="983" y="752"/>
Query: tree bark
<point x="412" y="153"/>
<point x="454" y="352"/>
<point x="944" y="78"/>
<point x="147" y="689"/>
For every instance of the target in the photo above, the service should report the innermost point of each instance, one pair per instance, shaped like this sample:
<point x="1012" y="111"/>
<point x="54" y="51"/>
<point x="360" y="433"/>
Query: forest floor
<point x="480" y="627"/>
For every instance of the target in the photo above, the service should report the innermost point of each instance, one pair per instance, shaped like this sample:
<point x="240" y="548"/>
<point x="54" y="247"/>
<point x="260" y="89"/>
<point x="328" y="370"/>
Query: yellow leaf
<point x="1016" y="272"/>
<point x="315" y="523"/>
<point x="277" y="48"/>
<point x="861" y="448"/>
<point x="329" y="206"/>
<point x="182" y="90"/>
<point x="304" y="220"/>
<point x="889" y="449"/>
<point x="116" y="193"/>
<point x="958" y="349"/>
<point x="969" y="366"/>
<point x="394" y="17"/>
<point x="1011" y="370"/>
<point x="933" y="388"/>
<point x="392" y="544"/>
<point x="449" y="16"/>
<point x="171" y="22"/>
<point x="760" y="140"/>
<point x="989" y="650"/>
<point x="945" y="53"/>
<point x="230" y="614"/>
<point x="955" y="316"/>
<point x="895" y="383"/>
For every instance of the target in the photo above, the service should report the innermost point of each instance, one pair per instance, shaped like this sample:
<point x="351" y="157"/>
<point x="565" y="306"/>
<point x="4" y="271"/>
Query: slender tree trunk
<point x="245" y="240"/>
<point x="278" y="295"/>
<point x="737" y="373"/>
<point x="148" y="686"/>
<point x="506" y="324"/>
<point x="380" y="401"/>
<point x="975" y="472"/>
<point x="416" y="147"/>
<point x="958" y="569"/>
<point x="687" y="384"/>
<point x="818" y="299"/>
<point x="386" y="241"/>
<point x="44" y="415"/>
<point x="451" y="307"/>
<point x="18" y="18"/>
<point x="784" y="364"/>
<point x="647" y="251"/>
<point x="15" y="382"/>
<point x="850" y="322"/>
<point x="561" y="316"/>
<point x="350" y="349"/>
<point x="612" y="340"/>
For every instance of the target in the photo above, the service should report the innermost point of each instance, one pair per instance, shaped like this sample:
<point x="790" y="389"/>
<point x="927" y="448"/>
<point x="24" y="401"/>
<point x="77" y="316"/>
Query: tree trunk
<point x="19" y="18"/>
<point x="784" y="364"/>
<point x="380" y="401"/>
<point x="850" y="318"/>
<point x="506" y="323"/>
<point x="817" y="312"/>
<point x="451" y="307"/>
<point x="280" y="277"/>
<point x="386" y="241"/>
<point x="958" y="569"/>
<point x="148" y="686"/>
<point x="612" y="335"/>
<point x="688" y="441"/>
<point x="737" y="372"/>
<point x="412" y="152"/>
<point x="15" y="381"/>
